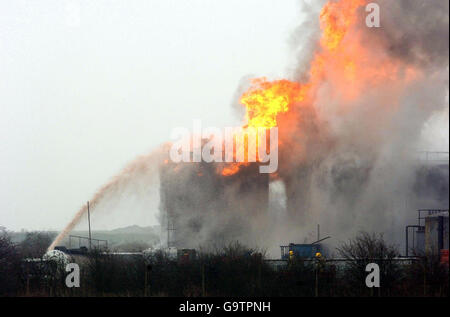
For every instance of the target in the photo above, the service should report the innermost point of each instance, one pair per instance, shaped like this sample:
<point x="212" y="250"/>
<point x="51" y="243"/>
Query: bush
<point x="427" y="277"/>
<point x="108" y="274"/>
<point x="9" y="266"/>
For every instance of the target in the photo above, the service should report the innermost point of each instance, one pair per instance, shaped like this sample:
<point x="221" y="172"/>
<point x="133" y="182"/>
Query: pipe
<point x="321" y="240"/>
<point x="407" y="231"/>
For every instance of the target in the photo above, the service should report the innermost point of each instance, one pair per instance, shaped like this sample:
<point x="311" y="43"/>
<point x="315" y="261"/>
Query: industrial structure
<point x="195" y="194"/>
<point x="430" y="235"/>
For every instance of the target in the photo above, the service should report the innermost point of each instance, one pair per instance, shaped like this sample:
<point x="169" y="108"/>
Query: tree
<point x="368" y="248"/>
<point x="35" y="244"/>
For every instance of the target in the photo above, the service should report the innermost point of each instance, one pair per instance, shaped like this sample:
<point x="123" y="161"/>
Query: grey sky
<point x="86" y="86"/>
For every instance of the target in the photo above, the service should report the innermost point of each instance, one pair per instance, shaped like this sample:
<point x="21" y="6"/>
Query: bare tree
<point x="368" y="248"/>
<point x="35" y="244"/>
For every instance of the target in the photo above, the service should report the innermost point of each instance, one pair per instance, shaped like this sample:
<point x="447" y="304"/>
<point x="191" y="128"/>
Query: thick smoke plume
<point x="356" y="138"/>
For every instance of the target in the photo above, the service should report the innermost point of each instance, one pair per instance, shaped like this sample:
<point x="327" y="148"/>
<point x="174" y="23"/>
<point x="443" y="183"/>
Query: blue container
<point x="300" y="250"/>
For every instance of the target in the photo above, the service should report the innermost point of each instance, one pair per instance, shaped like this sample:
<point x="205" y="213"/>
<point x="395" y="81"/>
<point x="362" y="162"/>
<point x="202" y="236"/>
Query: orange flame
<point x="265" y="100"/>
<point x="231" y="169"/>
<point x="342" y="60"/>
<point x="335" y="20"/>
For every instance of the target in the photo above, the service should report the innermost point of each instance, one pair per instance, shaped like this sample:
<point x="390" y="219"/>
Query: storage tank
<point x="436" y="233"/>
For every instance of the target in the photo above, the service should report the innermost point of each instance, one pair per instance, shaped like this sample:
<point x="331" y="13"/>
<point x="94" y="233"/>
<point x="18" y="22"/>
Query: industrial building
<point x="430" y="235"/>
<point x="197" y="193"/>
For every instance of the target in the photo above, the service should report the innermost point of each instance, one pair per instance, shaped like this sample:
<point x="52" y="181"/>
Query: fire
<point x="231" y="169"/>
<point x="265" y="100"/>
<point x="339" y="55"/>
<point x="347" y="60"/>
<point x="342" y="61"/>
<point x="335" y="20"/>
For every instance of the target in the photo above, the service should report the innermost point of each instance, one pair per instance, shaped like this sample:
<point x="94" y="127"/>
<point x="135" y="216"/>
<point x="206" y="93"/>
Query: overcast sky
<point x="86" y="86"/>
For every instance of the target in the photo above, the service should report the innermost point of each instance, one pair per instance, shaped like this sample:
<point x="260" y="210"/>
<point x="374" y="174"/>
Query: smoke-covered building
<point x="200" y="205"/>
